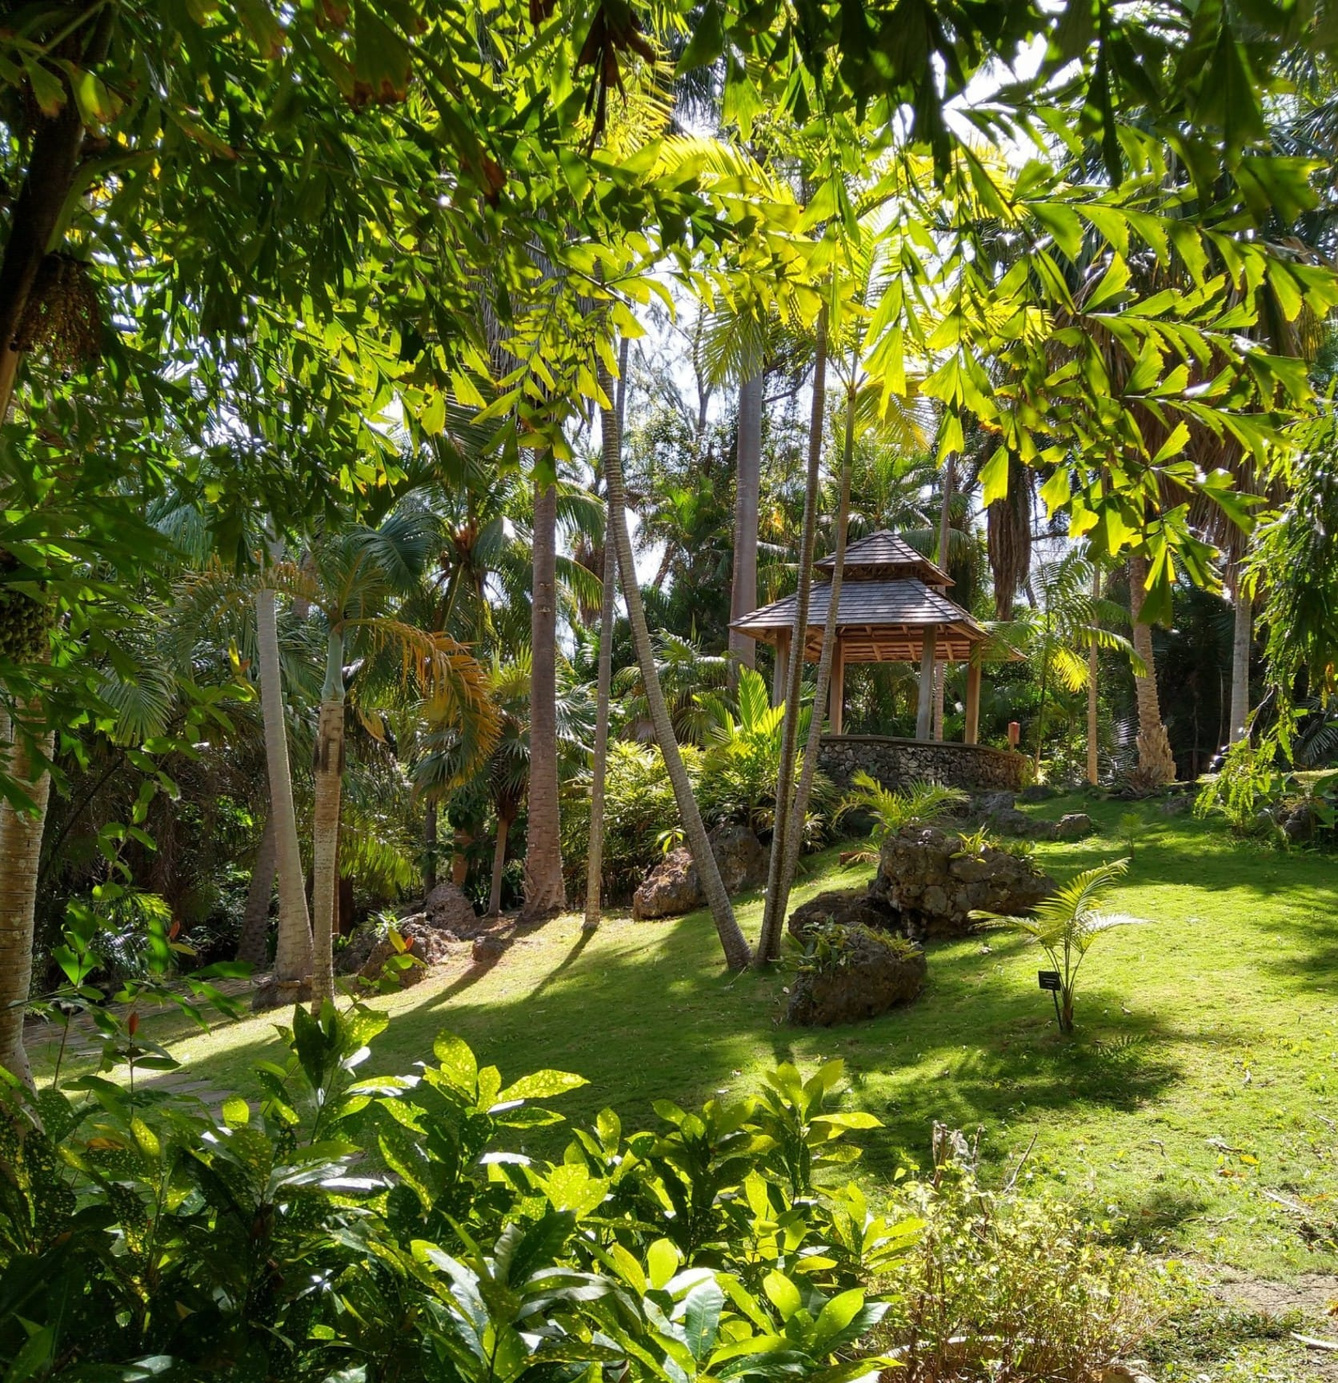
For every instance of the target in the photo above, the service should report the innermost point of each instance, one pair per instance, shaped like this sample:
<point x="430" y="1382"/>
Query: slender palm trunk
<point x="794" y="836"/>
<point x="1241" y="640"/>
<point x="255" y="919"/>
<point x="732" y="940"/>
<point x="328" y="764"/>
<point x="1156" y="763"/>
<point x="748" y="484"/>
<point x="1093" y="671"/>
<point x="1040" y="708"/>
<point x="944" y="514"/>
<point x="292" y="956"/>
<point x="20" y="858"/>
<point x="545" y="893"/>
<point x="611" y="428"/>
<point x="504" y="820"/>
<point x="776" y="897"/>
<point x="430" y="814"/>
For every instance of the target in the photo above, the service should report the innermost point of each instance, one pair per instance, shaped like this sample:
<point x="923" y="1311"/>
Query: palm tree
<point x="545" y="892"/>
<point x="293" y="951"/>
<point x="355" y="580"/>
<point x="1067" y="618"/>
<point x="1156" y="763"/>
<point x="735" y="946"/>
<point x="1067" y="924"/>
<point x="26" y="750"/>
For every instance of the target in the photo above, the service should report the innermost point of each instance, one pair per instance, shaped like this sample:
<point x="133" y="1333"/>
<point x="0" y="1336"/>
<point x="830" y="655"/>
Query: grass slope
<point x="1200" y="1085"/>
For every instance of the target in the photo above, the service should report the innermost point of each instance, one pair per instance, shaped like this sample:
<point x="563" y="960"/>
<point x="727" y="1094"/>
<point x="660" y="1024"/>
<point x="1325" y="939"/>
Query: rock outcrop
<point x="866" y="972"/>
<point x="427" y="944"/>
<point x="846" y="907"/>
<point x="447" y="909"/>
<point x="672" y="887"/>
<point x="933" y="884"/>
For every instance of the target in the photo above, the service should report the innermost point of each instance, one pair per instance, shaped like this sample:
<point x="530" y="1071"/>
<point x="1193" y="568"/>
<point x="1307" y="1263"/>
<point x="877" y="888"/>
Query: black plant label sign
<point x="1048" y="979"/>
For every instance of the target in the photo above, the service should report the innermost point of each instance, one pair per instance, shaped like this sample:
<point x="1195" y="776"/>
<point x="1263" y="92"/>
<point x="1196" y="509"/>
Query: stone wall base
<point x="896" y="762"/>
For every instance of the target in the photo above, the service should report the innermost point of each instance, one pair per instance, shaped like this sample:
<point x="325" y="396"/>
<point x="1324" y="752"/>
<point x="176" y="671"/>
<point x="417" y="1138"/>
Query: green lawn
<point x="1201" y="1080"/>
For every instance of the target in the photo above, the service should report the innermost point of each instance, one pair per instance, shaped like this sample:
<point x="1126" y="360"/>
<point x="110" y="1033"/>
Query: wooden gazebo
<point x="893" y="609"/>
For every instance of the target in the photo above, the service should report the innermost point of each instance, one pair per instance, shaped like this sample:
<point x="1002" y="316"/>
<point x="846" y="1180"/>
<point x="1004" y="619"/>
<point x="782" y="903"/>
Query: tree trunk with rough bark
<point x="498" y="864"/>
<point x="732" y="940"/>
<point x="747" y="491"/>
<point x="545" y="892"/>
<point x="251" y="946"/>
<point x="1093" y="671"/>
<point x="328" y="765"/>
<point x="611" y="438"/>
<point x="794" y="838"/>
<point x="20" y="859"/>
<point x="768" y="945"/>
<point x="430" y="815"/>
<point x="292" y="956"/>
<point x="1156" y="763"/>
<point x="941" y="558"/>
<point x="1241" y="640"/>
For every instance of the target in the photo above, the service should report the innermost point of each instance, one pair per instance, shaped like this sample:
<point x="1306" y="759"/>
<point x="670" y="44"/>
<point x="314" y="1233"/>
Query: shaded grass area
<point x="1201" y="1082"/>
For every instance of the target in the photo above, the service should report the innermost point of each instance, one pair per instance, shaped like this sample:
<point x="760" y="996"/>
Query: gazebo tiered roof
<point x="892" y="608"/>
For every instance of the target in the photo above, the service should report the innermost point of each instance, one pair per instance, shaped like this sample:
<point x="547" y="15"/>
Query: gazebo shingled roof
<point x="888" y="555"/>
<point x="877" y="621"/>
<point x="892" y="609"/>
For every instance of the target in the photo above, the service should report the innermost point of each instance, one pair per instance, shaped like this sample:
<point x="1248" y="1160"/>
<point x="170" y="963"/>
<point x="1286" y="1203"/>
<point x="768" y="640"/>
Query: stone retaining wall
<point x="895" y="762"/>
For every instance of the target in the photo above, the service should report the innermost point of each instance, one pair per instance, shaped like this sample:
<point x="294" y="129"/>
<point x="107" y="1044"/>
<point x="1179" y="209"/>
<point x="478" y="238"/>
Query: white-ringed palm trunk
<point x="328" y="764"/>
<point x="545" y="892"/>
<point x="1241" y="638"/>
<point x="1156" y="763"/>
<point x="1093" y="670"/>
<point x="732" y="940"/>
<point x="255" y="919"/>
<point x="747" y="489"/>
<point x="794" y="836"/>
<point x="611" y="439"/>
<point x="292" y="955"/>
<point x="944" y="515"/>
<point x="20" y="857"/>
<point x="768" y="946"/>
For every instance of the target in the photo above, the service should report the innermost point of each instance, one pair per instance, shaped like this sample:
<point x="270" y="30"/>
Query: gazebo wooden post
<point x="972" y="735"/>
<point x="780" y="677"/>
<point x="924" y="717"/>
<point x="836" y="697"/>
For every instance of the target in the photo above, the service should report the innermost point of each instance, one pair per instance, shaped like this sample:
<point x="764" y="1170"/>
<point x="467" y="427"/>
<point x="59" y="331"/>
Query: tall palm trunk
<point x="504" y="820"/>
<point x="1156" y="763"/>
<point x="545" y="893"/>
<point x="1241" y="639"/>
<point x="944" y="514"/>
<point x="747" y="493"/>
<point x="20" y="857"/>
<point x="772" y="917"/>
<point x="611" y="438"/>
<point x="732" y="940"/>
<point x="292" y="956"/>
<point x="1093" y="670"/>
<point x="255" y="919"/>
<point x="794" y="835"/>
<point x="430" y="815"/>
<point x="328" y="763"/>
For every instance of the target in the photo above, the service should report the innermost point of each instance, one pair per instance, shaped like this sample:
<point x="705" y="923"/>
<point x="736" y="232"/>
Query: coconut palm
<point x="1058" y="633"/>
<point x="356" y="580"/>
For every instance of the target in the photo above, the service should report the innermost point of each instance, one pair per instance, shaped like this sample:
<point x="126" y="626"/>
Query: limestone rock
<point x="426" y="943"/>
<point x="276" y="993"/>
<point x="742" y="859"/>
<point x="672" y="887"/>
<point x="1074" y="826"/>
<point x="487" y="950"/>
<point x="1037" y="792"/>
<point x="849" y="906"/>
<point x="876" y="972"/>
<point x="449" y="910"/>
<point x="931" y="883"/>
